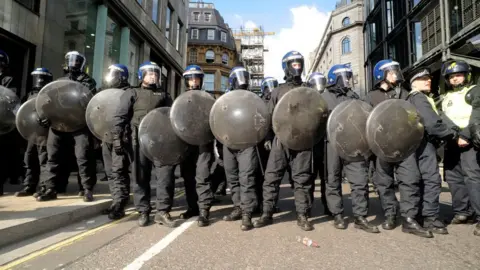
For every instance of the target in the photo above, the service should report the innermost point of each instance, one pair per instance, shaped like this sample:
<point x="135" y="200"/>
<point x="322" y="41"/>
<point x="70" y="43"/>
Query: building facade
<point x="211" y="45"/>
<point x="342" y="43"/>
<point x="39" y="32"/>
<point x="422" y="33"/>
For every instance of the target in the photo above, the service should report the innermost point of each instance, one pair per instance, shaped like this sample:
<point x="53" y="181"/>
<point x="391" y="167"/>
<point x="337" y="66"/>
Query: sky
<point x="298" y="25"/>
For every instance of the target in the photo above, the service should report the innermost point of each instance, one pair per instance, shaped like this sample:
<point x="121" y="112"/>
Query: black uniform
<point x="356" y="172"/>
<point x="435" y="132"/>
<point x="134" y="105"/>
<point x="406" y="172"/>
<point x="281" y="159"/>
<point x="117" y="169"/>
<point x="58" y="144"/>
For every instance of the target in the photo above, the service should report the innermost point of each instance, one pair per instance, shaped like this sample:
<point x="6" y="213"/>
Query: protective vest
<point x="430" y="100"/>
<point x="146" y="100"/>
<point x="456" y="108"/>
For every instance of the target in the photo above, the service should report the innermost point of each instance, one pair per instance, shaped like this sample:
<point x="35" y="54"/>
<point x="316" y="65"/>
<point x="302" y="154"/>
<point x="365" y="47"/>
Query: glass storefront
<point x="133" y="60"/>
<point x="112" y="44"/>
<point x="81" y="18"/>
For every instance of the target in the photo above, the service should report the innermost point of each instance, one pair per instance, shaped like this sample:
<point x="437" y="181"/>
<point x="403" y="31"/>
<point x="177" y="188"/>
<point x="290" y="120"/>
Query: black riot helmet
<point x="41" y="77"/>
<point x="75" y="62"/>
<point x="457" y="67"/>
<point x="292" y="65"/>
<point x="239" y="79"/>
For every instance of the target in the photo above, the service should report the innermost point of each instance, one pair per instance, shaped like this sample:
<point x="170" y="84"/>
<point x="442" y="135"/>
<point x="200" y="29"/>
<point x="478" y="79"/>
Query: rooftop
<point x="200" y="4"/>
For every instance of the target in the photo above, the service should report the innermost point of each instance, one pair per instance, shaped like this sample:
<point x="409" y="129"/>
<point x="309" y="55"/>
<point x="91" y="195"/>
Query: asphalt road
<point x="224" y="246"/>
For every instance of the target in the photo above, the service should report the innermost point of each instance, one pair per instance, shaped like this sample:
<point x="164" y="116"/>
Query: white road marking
<point x="161" y="245"/>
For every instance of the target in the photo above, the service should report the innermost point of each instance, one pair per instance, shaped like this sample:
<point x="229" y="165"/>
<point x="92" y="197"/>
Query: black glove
<point x="117" y="144"/>
<point x="475" y="135"/>
<point x="268" y="145"/>
<point x="44" y="122"/>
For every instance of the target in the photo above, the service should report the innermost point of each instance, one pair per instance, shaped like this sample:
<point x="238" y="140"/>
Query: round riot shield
<point x="100" y="111"/>
<point x="394" y="130"/>
<point x="189" y="116"/>
<point x="9" y="104"/>
<point x="64" y="102"/>
<point x="239" y="119"/>
<point x="28" y="126"/>
<point x="158" y="141"/>
<point x="346" y="130"/>
<point x="299" y="118"/>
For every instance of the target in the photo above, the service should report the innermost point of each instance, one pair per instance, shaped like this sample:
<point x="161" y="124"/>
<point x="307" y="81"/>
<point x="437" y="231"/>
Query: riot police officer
<point x="240" y="166"/>
<point x="83" y="139"/>
<point x="195" y="169"/>
<point x="266" y="86"/>
<point x="5" y="79"/>
<point x="116" y="166"/>
<point x="435" y="132"/>
<point x="35" y="155"/>
<point x="317" y="81"/>
<point x="340" y="88"/>
<point x="388" y="79"/>
<point x="135" y="103"/>
<point x="461" y="167"/>
<point x="281" y="158"/>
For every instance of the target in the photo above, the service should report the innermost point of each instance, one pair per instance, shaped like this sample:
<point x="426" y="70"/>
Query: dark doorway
<point x="22" y="59"/>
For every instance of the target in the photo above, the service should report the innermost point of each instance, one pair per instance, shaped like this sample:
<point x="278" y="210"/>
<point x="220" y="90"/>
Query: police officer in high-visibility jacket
<point x="461" y="167"/>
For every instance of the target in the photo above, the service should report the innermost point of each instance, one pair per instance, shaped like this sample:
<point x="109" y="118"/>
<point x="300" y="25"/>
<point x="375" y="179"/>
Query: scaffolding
<point x="252" y="50"/>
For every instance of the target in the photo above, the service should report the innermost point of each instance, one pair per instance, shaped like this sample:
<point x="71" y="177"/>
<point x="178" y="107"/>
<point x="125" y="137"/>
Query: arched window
<point x="210" y="56"/>
<point x="346" y="46"/>
<point x="225" y="58"/>
<point x="192" y="58"/>
<point x="346" y="21"/>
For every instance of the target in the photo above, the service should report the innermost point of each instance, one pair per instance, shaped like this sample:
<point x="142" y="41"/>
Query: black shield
<point x="189" y="116"/>
<point x="299" y="118"/>
<point x="346" y="130"/>
<point x="239" y="119"/>
<point x="64" y="103"/>
<point x="9" y="105"/>
<point x="100" y="111"/>
<point x="157" y="139"/>
<point x="394" y="130"/>
<point x="28" y="126"/>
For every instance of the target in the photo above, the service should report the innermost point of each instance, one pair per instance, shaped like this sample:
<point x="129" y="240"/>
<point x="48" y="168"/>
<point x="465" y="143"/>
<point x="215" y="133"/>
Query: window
<point x="32" y="5"/>
<point x="209" y="82"/>
<point x="196" y="16"/>
<point x="192" y="57"/>
<point x="155" y="11"/>
<point x="223" y="36"/>
<point x="346" y="46"/>
<point x="417" y="41"/>
<point x="168" y="22"/>
<point x="210" y="56"/>
<point x="225" y="58"/>
<point x="112" y="44"/>
<point x="194" y="34"/>
<point x="346" y="21"/>
<point x="208" y="16"/>
<point x="133" y="61"/>
<point x="179" y="36"/>
<point x="76" y="6"/>
<point x="139" y="2"/>
<point x="413" y="3"/>
<point x="224" y="83"/>
<point x="211" y="34"/>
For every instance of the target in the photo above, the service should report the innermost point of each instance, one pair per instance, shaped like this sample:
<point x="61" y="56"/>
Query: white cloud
<point x="304" y="35"/>
<point x="250" y="25"/>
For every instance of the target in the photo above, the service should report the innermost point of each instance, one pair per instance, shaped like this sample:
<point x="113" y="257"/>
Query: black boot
<point x="339" y="222"/>
<point x="476" y="230"/>
<point x="144" y="219"/>
<point x="265" y="220"/>
<point x="390" y="223"/>
<point x="461" y="219"/>
<point x="165" y="219"/>
<point x="40" y="192"/>
<point x="363" y="224"/>
<point x="246" y="222"/>
<point x="410" y="225"/>
<point x="27" y="191"/>
<point x="236" y="214"/>
<point x="303" y="223"/>
<point x="88" y="196"/>
<point x="108" y="210"/>
<point x="117" y="213"/>
<point x="203" y="216"/>
<point x="434" y="225"/>
<point x="189" y="213"/>
<point x="49" y="195"/>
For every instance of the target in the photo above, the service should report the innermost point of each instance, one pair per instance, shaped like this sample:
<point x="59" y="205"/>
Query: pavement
<point x="124" y="245"/>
